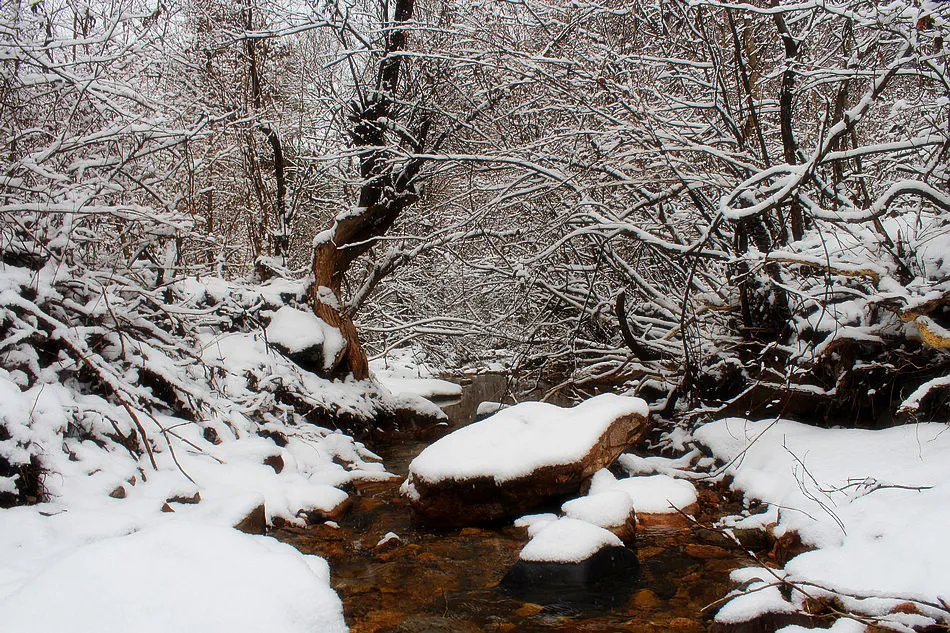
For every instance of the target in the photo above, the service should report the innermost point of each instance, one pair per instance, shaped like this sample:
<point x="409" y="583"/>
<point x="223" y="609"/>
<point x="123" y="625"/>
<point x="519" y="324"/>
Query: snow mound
<point x="656" y="494"/>
<point x="403" y="375"/>
<point x="489" y="407"/>
<point x="611" y="508"/>
<point x="295" y="331"/>
<point x="875" y="504"/>
<point x="568" y="540"/>
<point x="180" y="577"/>
<point x="519" y="440"/>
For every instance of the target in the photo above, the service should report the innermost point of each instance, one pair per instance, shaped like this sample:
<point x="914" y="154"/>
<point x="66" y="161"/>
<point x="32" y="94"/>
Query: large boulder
<point x="506" y="464"/>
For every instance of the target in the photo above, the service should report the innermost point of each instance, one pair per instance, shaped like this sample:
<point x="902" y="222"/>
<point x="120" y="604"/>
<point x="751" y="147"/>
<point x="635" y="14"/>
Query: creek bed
<point x="447" y="581"/>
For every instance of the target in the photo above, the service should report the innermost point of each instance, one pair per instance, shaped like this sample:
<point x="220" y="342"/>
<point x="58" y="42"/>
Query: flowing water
<point x="447" y="581"/>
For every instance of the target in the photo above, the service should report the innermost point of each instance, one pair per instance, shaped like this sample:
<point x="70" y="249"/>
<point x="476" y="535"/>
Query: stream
<point x="447" y="581"/>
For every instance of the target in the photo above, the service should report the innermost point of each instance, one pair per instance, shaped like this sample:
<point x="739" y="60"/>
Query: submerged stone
<point x="604" y="579"/>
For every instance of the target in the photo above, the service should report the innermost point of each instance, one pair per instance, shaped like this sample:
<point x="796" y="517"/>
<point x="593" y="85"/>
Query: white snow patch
<point x="402" y="374"/>
<point x="180" y="577"/>
<point x="875" y="503"/>
<point x="568" y="540"/>
<point x="298" y="330"/>
<point x="536" y="522"/>
<point x="489" y="407"/>
<point x="611" y="508"/>
<point x="656" y="494"/>
<point x="756" y="602"/>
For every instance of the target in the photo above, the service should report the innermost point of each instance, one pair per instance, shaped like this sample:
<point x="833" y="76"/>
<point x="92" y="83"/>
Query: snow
<point x="534" y="523"/>
<point x="298" y="330"/>
<point x="612" y="508"/>
<point x="843" y="625"/>
<point x="489" y="407"/>
<point x="178" y="576"/>
<point x="754" y="602"/>
<point x="519" y="440"/>
<point x="422" y="387"/>
<point x="874" y="504"/>
<point x="568" y="540"/>
<point x="103" y="561"/>
<point x="656" y="494"/>
<point x="402" y="374"/>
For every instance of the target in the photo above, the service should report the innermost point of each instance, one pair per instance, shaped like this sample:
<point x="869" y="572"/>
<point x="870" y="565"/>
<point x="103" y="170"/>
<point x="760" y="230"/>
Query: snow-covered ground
<point x="875" y="505"/>
<point x="403" y="374"/>
<point x="171" y="439"/>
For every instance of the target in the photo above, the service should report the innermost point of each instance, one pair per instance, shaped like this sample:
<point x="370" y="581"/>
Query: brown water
<point x="446" y="581"/>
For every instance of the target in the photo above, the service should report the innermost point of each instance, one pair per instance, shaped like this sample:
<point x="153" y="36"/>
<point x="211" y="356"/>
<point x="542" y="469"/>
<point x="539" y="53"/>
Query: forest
<point x="264" y="262"/>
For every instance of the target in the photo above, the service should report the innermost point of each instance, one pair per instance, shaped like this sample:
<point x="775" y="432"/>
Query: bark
<point x="786" y="99"/>
<point x="386" y="191"/>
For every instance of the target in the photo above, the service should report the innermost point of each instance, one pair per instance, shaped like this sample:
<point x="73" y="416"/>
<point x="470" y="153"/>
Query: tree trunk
<point x="387" y="189"/>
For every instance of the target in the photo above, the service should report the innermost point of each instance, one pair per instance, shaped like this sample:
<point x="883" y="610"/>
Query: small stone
<point x="193" y="499"/>
<point x="336" y="513"/>
<point x="254" y="523"/>
<point x="667" y="521"/>
<point x="167" y="508"/>
<point x="705" y="552"/>
<point x="528" y="609"/>
<point x="211" y="435"/>
<point x="276" y="462"/>
<point x="646" y="600"/>
<point x="650" y="551"/>
<point x="787" y="547"/>
<point x="907" y="608"/>
<point x="118" y="493"/>
<point x="390" y="541"/>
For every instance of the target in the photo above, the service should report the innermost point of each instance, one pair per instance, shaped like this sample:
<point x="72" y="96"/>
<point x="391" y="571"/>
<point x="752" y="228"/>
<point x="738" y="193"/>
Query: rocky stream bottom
<point x="450" y="581"/>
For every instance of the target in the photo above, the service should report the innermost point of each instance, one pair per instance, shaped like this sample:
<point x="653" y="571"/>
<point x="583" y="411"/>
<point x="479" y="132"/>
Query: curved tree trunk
<point x="387" y="189"/>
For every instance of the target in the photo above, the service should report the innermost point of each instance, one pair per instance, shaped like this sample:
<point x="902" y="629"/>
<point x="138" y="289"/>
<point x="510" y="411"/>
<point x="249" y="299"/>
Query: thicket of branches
<point x="724" y="204"/>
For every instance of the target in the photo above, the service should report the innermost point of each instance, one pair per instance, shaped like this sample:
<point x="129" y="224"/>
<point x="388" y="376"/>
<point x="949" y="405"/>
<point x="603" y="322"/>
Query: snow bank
<point x="521" y="439"/>
<point x="180" y="577"/>
<point x="153" y="443"/>
<point x="568" y="540"/>
<point x="296" y="330"/>
<point x="402" y="374"/>
<point x="657" y="494"/>
<point x="489" y="407"/>
<point x="875" y="503"/>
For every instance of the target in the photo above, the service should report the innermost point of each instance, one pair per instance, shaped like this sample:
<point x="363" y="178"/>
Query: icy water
<point x="447" y="581"/>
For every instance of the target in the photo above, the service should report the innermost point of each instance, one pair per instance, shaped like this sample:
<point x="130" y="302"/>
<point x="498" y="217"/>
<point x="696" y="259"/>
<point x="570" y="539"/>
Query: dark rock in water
<point x="608" y="578"/>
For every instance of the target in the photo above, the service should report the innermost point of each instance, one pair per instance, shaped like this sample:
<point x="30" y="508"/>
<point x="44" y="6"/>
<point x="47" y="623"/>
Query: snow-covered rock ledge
<point x="504" y="465"/>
